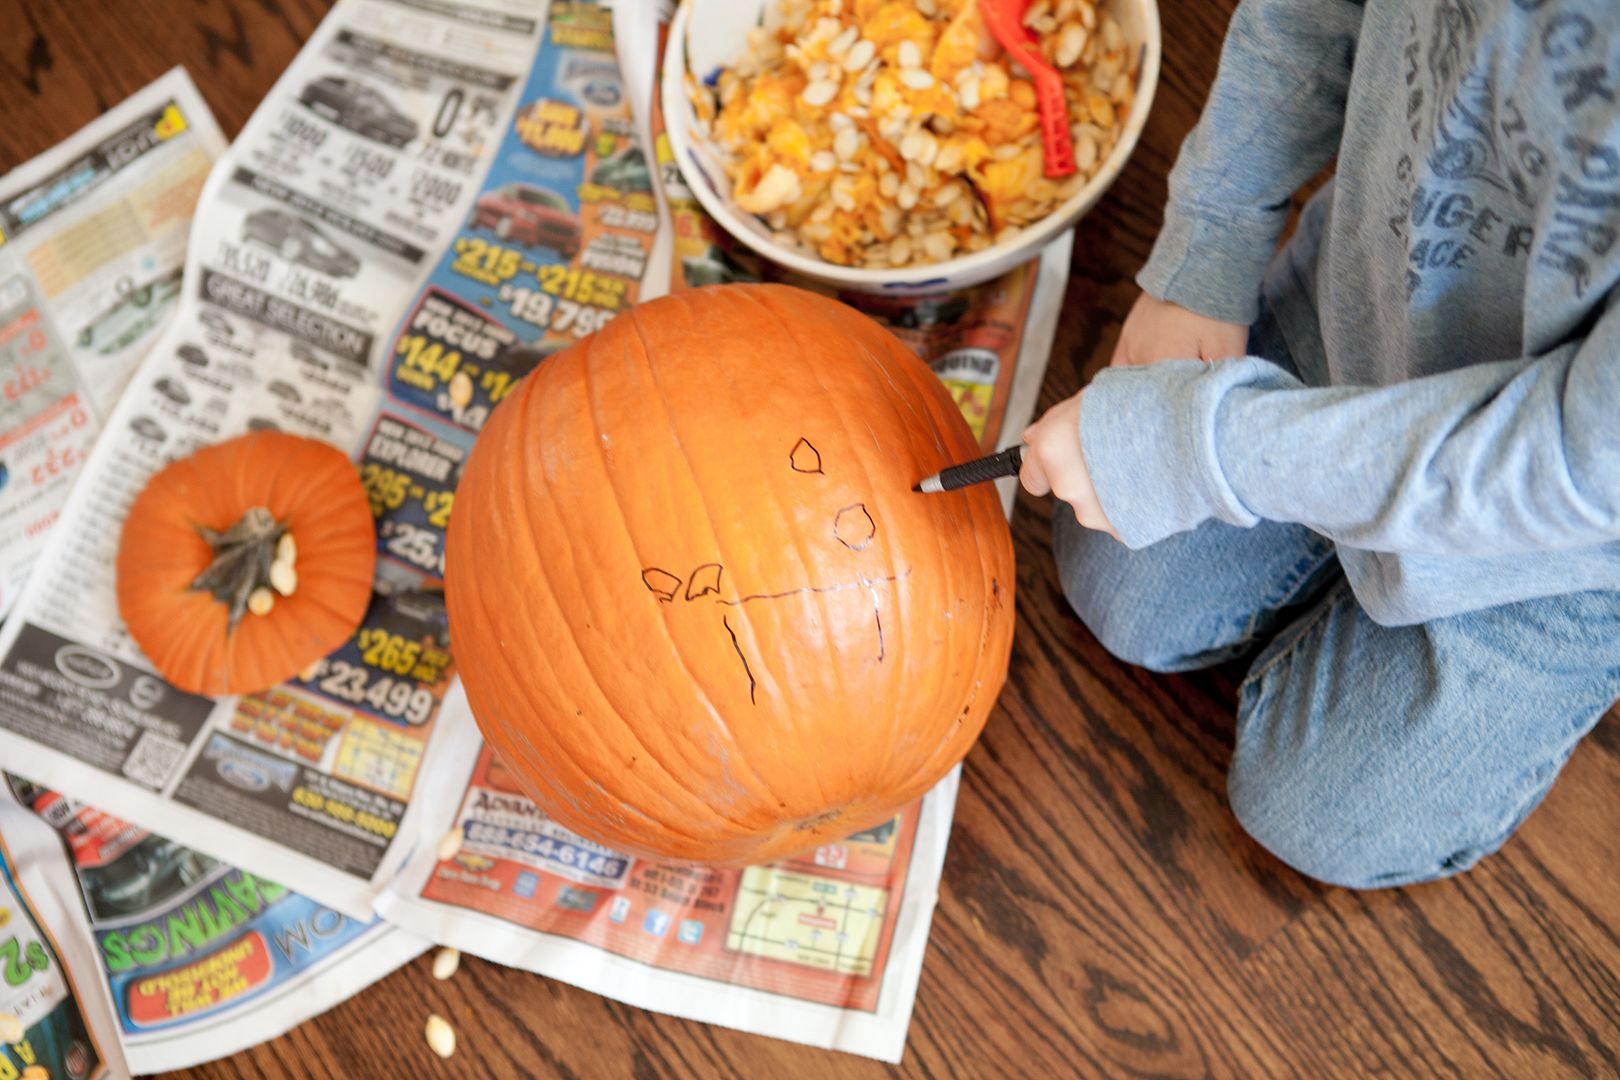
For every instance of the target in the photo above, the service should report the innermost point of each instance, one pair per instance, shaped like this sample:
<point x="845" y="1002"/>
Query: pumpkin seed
<point x="11" y="1028"/>
<point x="1113" y="38"/>
<point x="441" y="1037"/>
<point x="449" y="845"/>
<point x="445" y="963"/>
<point x="286" y="549"/>
<point x="860" y="54"/>
<point x="1085" y="153"/>
<point x="819" y="93"/>
<point x="909" y="55"/>
<point x="846" y="143"/>
<point x="1070" y="45"/>
<point x="916" y="78"/>
<point x="261" y="600"/>
<point x="461" y="389"/>
<point x="283" y="578"/>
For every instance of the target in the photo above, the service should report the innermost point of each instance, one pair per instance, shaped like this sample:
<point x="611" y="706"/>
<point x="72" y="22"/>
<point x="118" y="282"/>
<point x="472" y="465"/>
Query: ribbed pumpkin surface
<point x="698" y="609"/>
<point x="311" y="488"/>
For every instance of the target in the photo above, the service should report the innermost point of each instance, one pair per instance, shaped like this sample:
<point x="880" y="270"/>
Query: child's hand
<point x="1159" y="330"/>
<point x="1054" y="462"/>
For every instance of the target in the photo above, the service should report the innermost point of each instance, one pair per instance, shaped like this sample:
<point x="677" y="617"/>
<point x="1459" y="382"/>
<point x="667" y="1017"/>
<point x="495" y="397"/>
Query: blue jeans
<point x="1366" y="755"/>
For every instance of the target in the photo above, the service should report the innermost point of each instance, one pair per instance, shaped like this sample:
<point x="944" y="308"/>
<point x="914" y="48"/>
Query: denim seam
<point x="1289" y="590"/>
<point x="1299" y="631"/>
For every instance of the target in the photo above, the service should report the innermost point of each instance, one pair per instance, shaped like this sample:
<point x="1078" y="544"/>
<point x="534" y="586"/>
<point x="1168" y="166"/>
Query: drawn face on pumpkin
<point x="710" y="586"/>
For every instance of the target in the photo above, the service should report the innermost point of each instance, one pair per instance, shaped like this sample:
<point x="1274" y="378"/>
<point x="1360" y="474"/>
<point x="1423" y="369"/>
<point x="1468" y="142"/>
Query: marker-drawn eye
<point x="663" y="584"/>
<point x="854" y="527"/>
<point x="705" y="580"/>
<point x="805" y="458"/>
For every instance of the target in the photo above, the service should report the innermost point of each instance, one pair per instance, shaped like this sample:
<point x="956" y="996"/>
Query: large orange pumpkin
<point x="246" y="562"/>
<point x="698" y="610"/>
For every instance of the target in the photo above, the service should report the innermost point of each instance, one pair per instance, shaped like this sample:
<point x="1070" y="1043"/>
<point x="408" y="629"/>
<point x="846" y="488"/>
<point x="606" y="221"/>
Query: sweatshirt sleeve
<point x="1494" y="459"/>
<point x="1273" y="119"/>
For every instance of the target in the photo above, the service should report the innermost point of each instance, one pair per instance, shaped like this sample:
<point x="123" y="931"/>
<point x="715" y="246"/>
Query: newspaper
<point x="92" y="243"/>
<point x="380" y="274"/>
<point x="202" y="959"/>
<point x="47" y="970"/>
<point x="825" y="949"/>
<point x="313" y="231"/>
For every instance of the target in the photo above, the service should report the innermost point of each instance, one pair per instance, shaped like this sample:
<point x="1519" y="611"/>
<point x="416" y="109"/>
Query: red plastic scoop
<point x="1004" y="19"/>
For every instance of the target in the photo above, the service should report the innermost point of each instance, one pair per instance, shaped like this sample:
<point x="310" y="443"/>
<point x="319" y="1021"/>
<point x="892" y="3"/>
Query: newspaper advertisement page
<point x="203" y="959"/>
<point x="54" y="1012"/>
<point x="312" y="234"/>
<point x="92" y="245"/>
<point x="826" y="949"/>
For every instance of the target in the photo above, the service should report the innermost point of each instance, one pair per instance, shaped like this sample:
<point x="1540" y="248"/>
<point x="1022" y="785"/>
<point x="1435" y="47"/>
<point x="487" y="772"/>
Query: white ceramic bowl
<point x="710" y="34"/>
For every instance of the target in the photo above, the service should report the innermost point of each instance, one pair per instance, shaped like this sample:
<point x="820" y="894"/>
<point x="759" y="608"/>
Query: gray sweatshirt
<point x="1454" y="424"/>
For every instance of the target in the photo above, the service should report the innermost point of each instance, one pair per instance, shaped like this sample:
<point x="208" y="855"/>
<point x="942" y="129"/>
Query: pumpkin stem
<point x="243" y="556"/>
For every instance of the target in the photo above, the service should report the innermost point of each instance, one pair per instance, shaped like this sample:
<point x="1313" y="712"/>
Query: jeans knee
<point x="1358" y="839"/>
<point x="1110" y="589"/>
<point x="1317" y="844"/>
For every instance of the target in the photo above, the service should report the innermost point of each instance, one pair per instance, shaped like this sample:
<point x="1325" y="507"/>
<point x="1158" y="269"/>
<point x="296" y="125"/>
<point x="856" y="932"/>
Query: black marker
<point x="994" y="467"/>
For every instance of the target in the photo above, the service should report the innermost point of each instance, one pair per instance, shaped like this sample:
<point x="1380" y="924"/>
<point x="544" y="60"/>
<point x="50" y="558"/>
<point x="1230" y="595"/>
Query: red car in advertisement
<point x="529" y="216"/>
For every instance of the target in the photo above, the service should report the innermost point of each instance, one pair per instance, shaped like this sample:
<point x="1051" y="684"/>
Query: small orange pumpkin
<point x="244" y="563"/>
<point x="698" y="610"/>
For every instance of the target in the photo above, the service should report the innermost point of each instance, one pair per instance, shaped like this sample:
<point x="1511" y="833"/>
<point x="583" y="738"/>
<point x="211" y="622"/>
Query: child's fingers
<point x="1033" y="477"/>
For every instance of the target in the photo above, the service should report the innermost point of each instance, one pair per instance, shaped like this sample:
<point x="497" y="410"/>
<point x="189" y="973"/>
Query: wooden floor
<point x="1101" y="914"/>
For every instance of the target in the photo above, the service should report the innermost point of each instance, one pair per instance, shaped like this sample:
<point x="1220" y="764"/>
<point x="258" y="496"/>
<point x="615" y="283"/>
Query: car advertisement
<point x="92" y="243"/>
<point x="557" y="241"/>
<point x="194" y="951"/>
<point x="48" y="1026"/>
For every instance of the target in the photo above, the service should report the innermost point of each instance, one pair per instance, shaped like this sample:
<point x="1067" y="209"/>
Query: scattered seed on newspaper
<point x="441" y="1037"/>
<point x="11" y="1028"/>
<point x="445" y="962"/>
<point x="449" y="845"/>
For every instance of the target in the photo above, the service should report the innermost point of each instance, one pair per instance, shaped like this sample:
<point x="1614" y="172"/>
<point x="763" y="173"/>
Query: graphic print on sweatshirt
<point x="1498" y="95"/>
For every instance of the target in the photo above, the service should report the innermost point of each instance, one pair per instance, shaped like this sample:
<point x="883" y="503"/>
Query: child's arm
<point x="1494" y="459"/>
<point x="1273" y="119"/>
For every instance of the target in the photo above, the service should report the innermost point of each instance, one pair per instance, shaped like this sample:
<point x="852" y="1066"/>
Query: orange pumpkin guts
<point x="697" y="608"/>
<point x="246" y="562"/>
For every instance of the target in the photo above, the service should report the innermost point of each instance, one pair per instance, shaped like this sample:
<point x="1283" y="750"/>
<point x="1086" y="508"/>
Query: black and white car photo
<point x="352" y="104"/>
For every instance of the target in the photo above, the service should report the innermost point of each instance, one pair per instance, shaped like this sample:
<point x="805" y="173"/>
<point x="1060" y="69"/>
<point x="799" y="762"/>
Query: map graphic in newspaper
<point x="810" y="919"/>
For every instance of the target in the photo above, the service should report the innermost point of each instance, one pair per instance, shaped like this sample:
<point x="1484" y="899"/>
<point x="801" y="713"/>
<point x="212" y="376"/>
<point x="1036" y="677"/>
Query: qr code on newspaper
<point x="155" y="756"/>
